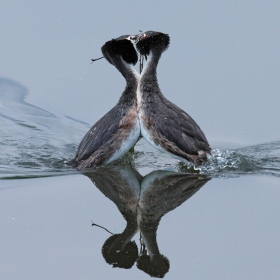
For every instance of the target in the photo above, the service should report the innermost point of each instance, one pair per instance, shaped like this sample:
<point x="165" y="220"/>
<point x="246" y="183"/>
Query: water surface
<point x="217" y="221"/>
<point x="35" y="143"/>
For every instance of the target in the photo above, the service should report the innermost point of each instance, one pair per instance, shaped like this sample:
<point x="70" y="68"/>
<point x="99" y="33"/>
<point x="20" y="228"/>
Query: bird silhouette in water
<point x="142" y="201"/>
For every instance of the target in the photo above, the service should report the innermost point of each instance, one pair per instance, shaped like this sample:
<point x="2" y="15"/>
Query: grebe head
<point x="148" y="40"/>
<point x="119" y="257"/>
<point x="120" y="46"/>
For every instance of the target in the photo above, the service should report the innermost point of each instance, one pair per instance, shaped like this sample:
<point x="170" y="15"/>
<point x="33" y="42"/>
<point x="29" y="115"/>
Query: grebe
<point x="164" y="125"/>
<point x="119" y="130"/>
<point x="142" y="201"/>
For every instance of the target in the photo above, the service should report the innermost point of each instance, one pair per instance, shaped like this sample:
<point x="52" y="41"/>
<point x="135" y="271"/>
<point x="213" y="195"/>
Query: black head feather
<point x="120" y="46"/>
<point x="151" y="39"/>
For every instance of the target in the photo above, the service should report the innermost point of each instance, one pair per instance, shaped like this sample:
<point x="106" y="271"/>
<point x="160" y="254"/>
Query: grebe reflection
<point x="143" y="201"/>
<point x="163" y="124"/>
<point x="119" y="130"/>
<point x="122" y="186"/>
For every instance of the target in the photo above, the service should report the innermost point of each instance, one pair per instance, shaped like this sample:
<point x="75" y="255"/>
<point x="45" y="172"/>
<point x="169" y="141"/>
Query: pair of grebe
<point x="141" y="111"/>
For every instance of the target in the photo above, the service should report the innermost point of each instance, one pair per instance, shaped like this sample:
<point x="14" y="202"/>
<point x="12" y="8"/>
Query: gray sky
<point x="222" y="66"/>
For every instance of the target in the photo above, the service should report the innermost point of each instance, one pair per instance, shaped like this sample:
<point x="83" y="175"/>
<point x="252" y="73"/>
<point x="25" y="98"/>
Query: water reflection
<point x="143" y="201"/>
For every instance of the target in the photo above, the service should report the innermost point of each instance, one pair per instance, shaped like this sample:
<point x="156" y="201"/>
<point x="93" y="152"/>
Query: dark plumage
<point x="163" y="124"/>
<point x="120" y="46"/>
<point x="118" y="131"/>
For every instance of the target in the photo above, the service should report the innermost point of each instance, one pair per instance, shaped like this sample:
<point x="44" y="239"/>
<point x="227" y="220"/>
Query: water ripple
<point x="35" y="143"/>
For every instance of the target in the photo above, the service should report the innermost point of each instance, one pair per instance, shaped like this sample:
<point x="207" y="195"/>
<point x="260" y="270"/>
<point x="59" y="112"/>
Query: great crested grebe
<point x="118" y="131"/>
<point x="164" y="125"/>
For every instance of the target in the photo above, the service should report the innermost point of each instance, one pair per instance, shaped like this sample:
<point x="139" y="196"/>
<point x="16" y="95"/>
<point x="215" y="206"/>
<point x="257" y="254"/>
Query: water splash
<point x="35" y="143"/>
<point x="258" y="159"/>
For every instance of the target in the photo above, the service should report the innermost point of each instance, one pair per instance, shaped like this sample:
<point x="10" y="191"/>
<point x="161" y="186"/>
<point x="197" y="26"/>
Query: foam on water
<point x="35" y="143"/>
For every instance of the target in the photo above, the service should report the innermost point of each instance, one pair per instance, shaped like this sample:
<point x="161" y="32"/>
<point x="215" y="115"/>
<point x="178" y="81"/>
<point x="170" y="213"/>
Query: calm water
<point x="224" y="225"/>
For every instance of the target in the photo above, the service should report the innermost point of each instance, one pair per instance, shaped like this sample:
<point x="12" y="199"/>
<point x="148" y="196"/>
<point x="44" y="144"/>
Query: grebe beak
<point x="136" y="38"/>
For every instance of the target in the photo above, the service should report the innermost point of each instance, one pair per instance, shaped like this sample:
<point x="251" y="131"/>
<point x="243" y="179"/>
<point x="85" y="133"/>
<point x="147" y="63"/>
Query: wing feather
<point x="179" y="128"/>
<point x="98" y="134"/>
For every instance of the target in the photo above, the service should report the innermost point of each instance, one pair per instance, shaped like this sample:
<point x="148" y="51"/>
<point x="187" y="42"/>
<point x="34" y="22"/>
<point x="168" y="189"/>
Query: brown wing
<point x="174" y="130"/>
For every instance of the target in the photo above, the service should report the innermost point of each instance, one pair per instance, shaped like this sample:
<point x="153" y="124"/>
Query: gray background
<point x="222" y="66"/>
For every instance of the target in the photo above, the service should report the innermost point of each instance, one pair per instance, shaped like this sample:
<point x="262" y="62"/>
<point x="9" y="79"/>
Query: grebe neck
<point x="150" y="69"/>
<point x="129" y="73"/>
